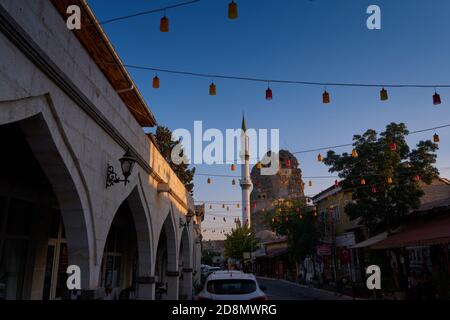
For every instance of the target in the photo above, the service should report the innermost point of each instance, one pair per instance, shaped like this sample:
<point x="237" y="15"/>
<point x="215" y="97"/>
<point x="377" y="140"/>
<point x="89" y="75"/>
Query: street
<point x="283" y="290"/>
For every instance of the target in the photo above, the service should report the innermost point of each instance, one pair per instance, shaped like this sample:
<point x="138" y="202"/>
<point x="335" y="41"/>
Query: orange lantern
<point x="319" y="158"/>
<point x="155" y="82"/>
<point x="208" y="181"/>
<point x="164" y="24"/>
<point x="212" y="89"/>
<point x="389" y="180"/>
<point x="232" y="10"/>
<point x="363" y="181"/>
<point x="354" y="153"/>
<point x="325" y="97"/>
<point x="436" y="138"/>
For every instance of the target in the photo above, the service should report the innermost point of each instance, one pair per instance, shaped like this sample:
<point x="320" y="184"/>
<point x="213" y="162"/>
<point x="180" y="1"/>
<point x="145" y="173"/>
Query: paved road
<point x="283" y="290"/>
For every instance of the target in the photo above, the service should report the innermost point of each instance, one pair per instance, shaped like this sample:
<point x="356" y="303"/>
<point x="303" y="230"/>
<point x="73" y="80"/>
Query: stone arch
<point x="185" y="258"/>
<point x="38" y="122"/>
<point x="167" y="260"/>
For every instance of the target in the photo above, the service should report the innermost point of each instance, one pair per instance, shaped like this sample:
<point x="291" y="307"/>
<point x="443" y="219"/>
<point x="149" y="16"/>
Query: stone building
<point x="69" y="111"/>
<point x="286" y="184"/>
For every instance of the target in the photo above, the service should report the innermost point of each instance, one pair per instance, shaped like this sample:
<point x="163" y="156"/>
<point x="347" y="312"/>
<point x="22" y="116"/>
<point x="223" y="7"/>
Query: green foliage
<point x="378" y="202"/>
<point x="237" y="242"/>
<point x="163" y="138"/>
<point x="299" y="223"/>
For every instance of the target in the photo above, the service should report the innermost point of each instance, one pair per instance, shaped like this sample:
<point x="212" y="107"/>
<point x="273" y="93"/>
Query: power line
<point x="281" y="81"/>
<point x="146" y="12"/>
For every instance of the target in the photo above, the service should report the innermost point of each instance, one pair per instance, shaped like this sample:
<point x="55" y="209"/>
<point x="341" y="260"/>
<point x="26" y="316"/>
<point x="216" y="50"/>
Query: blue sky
<point x="320" y="40"/>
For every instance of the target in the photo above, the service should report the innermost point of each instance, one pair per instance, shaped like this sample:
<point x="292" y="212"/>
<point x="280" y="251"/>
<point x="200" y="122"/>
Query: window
<point x="235" y="286"/>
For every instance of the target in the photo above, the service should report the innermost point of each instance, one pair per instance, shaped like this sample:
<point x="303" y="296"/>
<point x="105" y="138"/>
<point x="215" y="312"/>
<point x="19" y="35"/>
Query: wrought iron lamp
<point x="189" y="216"/>
<point x="126" y="163"/>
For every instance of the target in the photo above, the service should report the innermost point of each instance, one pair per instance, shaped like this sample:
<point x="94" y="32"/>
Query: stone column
<point x="145" y="288"/>
<point x="187" y="283"/>
<point x="172" y="285"/>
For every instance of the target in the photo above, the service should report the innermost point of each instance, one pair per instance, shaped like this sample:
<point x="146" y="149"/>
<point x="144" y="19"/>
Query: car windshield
<point x="233" y="286"/>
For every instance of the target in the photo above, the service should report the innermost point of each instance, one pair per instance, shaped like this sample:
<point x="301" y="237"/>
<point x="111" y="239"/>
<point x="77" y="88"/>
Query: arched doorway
<point x="126" y="263"/>
<point x="39" y="207"/>
<point x="166" y="268"/>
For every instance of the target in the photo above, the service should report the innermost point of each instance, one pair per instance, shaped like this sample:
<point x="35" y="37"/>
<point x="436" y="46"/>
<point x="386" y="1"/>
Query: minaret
<point x="246" y="183"/>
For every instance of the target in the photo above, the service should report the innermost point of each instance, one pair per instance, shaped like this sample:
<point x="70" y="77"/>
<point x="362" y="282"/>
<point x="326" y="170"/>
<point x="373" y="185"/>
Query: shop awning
<point x="371" y="241"/>
<point x="436" y="231"/>
<point x="277" y="252"/>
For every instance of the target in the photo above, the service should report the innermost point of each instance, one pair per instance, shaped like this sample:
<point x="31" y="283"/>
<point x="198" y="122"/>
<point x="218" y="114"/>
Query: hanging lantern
<point x="393" y="146"/>
<point x="314" y="211"/>
<point x="310" y="183"/>
<point x="297" y="209"/>
<point x="269" y="94"/>
<point x="325" y="97"/>
<point x="436" y="99"/>
<point x="319" y="158"/>
<point x="383" y="94"/>
<point x="210" y="206"/>
<point x="233" y="182"/>
<point x="288" y="162"/>
<point x="232" y="10"/>
<point x="363" y="181"/>
<point x="254" y="205"/>
<point x="287" y="219"/>
<point x="238" y="205"/>
<point x="389" y="180"/>
<point x="436" y="138"/>
<point x="336" y="183"/>
<point x="164" y="24"/>
<point x="417" y="178"/>
<point x="233" y="167"/>
<point x="208" y="181"/>
<point x="301" y="216"/>
<point x="155" y="82"/>
<point x="224" y="220"/>
<point x="228" y="208"/>
<point x="273" y="220"/>
<point x="354" y="153"/>
<point x="212" y="89"/>
<point x="214" y="218"/>
<point x="259" y="165"/>
<point x="374" y="189"/>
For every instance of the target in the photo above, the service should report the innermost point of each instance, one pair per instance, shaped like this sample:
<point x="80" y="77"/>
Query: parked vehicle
<point x="231" y="285"/>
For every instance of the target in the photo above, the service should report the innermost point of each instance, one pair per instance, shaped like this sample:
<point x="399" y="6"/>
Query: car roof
<point x="231" y="274"/>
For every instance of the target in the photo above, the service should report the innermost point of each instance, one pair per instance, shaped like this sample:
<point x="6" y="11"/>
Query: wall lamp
<point x="189" y="216"/>
<point x="126" y="163"/>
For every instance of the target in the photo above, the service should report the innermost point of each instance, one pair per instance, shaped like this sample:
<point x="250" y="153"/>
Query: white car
<point x="231" y="285"/>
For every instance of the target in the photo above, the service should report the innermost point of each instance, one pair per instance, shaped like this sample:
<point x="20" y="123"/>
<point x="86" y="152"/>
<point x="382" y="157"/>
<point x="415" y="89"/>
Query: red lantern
<point x="336" y="183"/>
<point x="436" y="99"/>
<point x="233" y="167"/>
<point x="288" y="162"/>
<point x="269" y="94"/>
<point x="297" y="209"/>
<point x="417" y="178"/>
<point x="164" y="24"/>
<point x="254" y="205"/>
<point x="232" y="10"/>
<point x="393" y="146"/>
<point x="325" y="97"/>
<point x="374" y="190"/>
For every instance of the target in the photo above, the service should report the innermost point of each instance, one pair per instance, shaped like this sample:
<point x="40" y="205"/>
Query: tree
<point x="163" y="138"/>
<point x="298" y="222"/>
<point x="383" y="175"/>
<point x="208" y="255"/>
<point x="237" y="242"/>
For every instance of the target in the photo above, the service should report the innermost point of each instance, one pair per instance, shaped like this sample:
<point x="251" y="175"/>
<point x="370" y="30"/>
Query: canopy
<point x="371" y="241"/>
<point x="436" y="231"/>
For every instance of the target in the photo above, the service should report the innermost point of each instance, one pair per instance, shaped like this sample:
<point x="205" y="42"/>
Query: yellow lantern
<point x="354" y="153"/>
<point x="164" y="24"/>
<point x="232" y="10"/>
<point x="155" y="82"/>
<point x="238" y="205"/>
<point x="212" y="89"/>
<point x="259" y="165"/>
<point x="383" y="95"/>
<point x="319" y="158"/>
